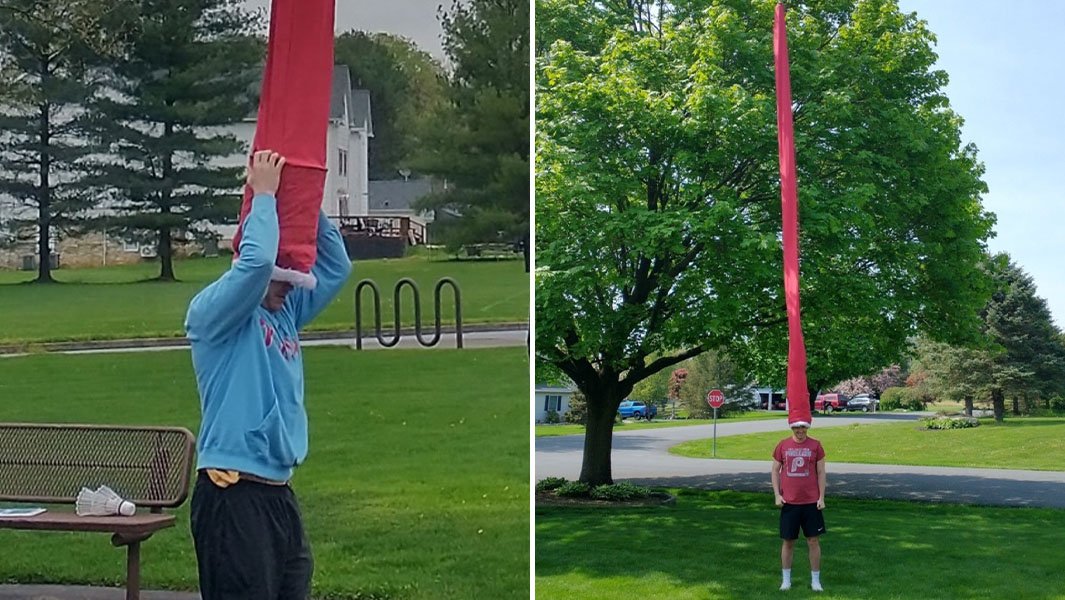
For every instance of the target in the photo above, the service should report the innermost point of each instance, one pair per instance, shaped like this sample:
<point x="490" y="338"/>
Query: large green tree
<point x="405" y="84"/>
<point x="191" y="68"/>
<point x="50" y="52"/>
<point x="480" y="143"/>
<point x="658" y="202"/>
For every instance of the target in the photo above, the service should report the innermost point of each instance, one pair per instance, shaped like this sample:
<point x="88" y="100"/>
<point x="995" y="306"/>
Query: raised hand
<point x="264" y="172"/>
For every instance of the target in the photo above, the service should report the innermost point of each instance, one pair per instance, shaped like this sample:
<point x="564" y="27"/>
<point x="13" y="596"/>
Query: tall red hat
<point x="798" y="395"/>
<point x="292" y="121"/>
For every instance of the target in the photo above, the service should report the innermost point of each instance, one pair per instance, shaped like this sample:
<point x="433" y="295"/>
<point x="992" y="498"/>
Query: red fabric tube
<point x="293" y="120"/>
<point x="798" y="395"/>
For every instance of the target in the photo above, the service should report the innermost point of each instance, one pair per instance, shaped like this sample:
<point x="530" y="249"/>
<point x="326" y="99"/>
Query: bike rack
<point x="406" y="281"/>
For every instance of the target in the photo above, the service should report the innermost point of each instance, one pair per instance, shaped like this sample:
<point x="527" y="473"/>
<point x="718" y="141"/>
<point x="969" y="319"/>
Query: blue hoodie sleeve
<point x="331" y="269"/>
<point x="221" y="307"/>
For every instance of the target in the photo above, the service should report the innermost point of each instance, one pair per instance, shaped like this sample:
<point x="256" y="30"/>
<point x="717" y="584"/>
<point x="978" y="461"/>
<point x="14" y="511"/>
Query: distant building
<point x="549" y="397"/>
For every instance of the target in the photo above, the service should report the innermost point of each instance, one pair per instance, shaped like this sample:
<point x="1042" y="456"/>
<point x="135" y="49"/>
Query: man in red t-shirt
<point x="799" y="487"/>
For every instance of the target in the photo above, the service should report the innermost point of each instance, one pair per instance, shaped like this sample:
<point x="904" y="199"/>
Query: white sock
<point x="786" y="579"/>
<point x="815" y="580"/>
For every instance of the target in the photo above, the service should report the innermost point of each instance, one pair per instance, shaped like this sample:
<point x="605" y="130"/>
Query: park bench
<point x="49" y="464"/>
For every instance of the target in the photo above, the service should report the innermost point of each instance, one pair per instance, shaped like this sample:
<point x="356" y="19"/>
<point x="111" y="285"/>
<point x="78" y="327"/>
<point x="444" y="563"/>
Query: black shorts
<point x="792" y="516"/>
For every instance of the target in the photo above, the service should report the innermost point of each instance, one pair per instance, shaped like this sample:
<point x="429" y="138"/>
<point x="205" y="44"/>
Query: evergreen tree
<point x="1031" y="359"/>
<point x="192" y="68"/>
<point x="480" y="144"/>
<point x="49" y="51"/>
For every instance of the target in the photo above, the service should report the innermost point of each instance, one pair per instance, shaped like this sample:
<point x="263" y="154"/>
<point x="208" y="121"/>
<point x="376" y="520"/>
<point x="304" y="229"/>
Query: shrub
<point x="550" y="483"/>
<point x="891" y="398"/>
<point x="894" y="398"/>
<point x="553" y="417"/>
<point x="620" y="491"/>
<point x="1057" y="404"/>
<point x="578" y="409"/>
<point x="950" y="422"/>
<point x="573" y="489"/>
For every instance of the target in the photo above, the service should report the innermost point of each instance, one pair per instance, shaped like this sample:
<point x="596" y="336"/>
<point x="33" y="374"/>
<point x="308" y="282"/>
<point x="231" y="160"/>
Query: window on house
<point x="553" y="403"/>
<point x="342" y="167"/>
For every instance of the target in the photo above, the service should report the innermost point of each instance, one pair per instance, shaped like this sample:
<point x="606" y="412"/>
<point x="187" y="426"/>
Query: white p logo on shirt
<point x="797" y="463"/>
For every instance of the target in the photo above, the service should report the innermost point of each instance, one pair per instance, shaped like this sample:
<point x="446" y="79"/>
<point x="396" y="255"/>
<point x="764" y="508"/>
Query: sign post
<point x="715" y="399"/>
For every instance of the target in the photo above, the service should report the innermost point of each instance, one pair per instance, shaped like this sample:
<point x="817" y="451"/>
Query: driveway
<point x="642" y="456"/>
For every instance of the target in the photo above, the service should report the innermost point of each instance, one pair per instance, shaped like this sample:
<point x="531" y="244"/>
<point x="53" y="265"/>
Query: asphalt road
<point x="642" y="456"/>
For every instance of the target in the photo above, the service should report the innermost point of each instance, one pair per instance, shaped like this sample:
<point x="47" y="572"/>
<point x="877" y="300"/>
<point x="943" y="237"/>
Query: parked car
<point x="864" y="403"/>
<point x="636" y="409"/>
<point x="830" y="402"/>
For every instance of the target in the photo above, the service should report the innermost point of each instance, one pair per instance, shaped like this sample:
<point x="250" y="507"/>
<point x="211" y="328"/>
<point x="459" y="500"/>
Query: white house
<point x="549" y="398"/>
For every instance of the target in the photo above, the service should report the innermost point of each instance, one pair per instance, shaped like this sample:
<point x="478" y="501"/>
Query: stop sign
<point x="715" y="398"/>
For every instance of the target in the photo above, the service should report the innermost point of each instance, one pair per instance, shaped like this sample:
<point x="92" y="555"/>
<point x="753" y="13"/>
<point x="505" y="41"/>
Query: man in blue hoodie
<point x="243" y="328"/>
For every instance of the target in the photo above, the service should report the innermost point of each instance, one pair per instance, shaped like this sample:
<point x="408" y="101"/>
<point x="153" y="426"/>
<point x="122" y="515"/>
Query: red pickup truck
<point x="830" y="402"/>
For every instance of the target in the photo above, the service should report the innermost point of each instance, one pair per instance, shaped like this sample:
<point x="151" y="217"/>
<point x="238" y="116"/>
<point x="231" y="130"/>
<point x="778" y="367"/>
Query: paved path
<point x="472" y="337"/>
<point x="642" y="456"/>
<point x="77" y="592"/>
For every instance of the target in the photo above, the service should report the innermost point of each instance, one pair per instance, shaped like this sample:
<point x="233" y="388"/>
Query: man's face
<point x="799" y="433"/>
<point x="275" y="295"/>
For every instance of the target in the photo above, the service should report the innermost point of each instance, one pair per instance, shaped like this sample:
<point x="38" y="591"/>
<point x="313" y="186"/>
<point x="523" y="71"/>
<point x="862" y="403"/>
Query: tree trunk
<point x="525" y="249"/>
<point x="968" y="406"/>
<point x="166" y="261"/>
<point x="595" y="470"/>
<point x="813" y="388"/>
<point x="1016" y="407"/>
<point x="44" y="188"/>
<point x="998" y="402"/>
<point x="166" y="258"/>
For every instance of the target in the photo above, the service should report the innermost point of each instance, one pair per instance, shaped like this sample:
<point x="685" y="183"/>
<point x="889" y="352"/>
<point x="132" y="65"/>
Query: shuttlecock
<point x="102" y="502"/>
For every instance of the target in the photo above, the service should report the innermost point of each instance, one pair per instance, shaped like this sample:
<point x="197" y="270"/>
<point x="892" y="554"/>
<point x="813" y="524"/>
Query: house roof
<point x="340" y="100"/>
<point x="355" y="104"/>
<point x="343" y="101"/>
<point x="397" y="194"/>
<point x="542" y="388"/>
<point x="361" y="117"/>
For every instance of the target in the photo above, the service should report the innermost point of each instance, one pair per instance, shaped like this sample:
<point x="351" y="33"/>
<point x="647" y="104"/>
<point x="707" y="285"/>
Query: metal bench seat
<point x="50" y="463"/>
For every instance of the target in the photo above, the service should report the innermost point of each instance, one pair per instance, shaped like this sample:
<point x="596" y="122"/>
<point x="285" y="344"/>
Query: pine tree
<point x="191" y="69"/>
<point x="49" y="53"/>
<point x="481" y="144"/>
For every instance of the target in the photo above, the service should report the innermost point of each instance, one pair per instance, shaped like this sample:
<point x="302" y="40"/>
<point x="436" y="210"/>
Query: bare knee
<point x="813" y="542"/>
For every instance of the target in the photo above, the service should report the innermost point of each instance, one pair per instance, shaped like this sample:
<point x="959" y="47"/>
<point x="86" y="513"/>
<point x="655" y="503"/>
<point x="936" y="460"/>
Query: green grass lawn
<point x="1018" y="443"/>
<point x="416" y="485"/>
<point x="117" y="302"/>
<point x="569" y="429"/>
<point x="725" y="546"/>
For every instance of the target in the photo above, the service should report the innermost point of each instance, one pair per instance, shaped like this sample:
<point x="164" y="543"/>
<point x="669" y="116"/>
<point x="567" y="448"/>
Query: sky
<point x="1006" y="81"/>
<point x="412" y="19"/>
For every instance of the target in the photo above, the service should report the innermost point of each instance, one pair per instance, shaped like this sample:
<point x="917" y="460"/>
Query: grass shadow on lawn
<point x="725" y="545"/>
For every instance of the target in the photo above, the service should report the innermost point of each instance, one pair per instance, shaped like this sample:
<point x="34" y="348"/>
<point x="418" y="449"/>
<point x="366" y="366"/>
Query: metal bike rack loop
<point x="397" y="333"/>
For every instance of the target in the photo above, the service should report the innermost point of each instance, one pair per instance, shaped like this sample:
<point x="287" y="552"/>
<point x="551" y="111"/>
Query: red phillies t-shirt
<point x="798" y="477"/>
